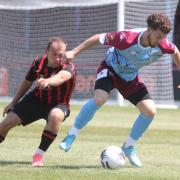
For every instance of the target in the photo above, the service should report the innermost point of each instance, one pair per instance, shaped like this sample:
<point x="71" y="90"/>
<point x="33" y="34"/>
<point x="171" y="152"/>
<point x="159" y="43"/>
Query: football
<point x="112" y="157"/>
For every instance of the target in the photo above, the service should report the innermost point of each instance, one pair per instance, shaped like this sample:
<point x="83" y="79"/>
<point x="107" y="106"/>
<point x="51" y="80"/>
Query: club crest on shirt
<point x="133" y="53"/>
<point x="122" y="36"/>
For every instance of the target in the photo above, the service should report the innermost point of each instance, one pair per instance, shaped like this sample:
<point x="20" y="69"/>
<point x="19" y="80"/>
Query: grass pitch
<point x="159" y="149"/>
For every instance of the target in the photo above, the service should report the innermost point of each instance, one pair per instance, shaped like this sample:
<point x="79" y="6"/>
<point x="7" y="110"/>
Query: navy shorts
<point x="134" y="91"/>
<point x="30" y="109"/>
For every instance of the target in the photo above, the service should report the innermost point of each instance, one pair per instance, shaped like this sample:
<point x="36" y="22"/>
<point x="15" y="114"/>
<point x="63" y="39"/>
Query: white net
<point x="158" y="76"/>
<point x="25" y="28"/>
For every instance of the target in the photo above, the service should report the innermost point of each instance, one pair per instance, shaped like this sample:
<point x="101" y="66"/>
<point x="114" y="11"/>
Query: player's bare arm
<point x="55" y="80"/>
<point x="90" y="42"/>
<point x="23" y="88"/>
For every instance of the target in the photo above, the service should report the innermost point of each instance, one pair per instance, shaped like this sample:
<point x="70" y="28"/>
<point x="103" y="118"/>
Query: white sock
<point x="40" y="151"/>
<point x="130" y="142"/>
<point x="73" y="131"/>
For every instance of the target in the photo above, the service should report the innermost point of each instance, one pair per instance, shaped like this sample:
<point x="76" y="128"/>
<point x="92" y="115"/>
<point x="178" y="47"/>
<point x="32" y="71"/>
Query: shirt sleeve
<point x="113" y="38"/>
<point x="70" y="68"/>
<point x="120" y="40"/>
<point x="32" y="73"/>
<point x="102" y="38"/>
<point x="167" y="47"/>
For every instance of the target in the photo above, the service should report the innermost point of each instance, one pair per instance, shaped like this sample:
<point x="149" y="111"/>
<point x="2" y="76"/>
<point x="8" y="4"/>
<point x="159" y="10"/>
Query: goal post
<point x="120" y="27"/>
<point x="26" y="26"/>
<point x="157" y="76"/>
<point x="133" y="14"/>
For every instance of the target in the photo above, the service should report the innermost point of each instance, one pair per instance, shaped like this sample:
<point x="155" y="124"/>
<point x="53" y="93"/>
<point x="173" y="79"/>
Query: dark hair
<point x="55" y="39"/>
<point x="159" y="21"/>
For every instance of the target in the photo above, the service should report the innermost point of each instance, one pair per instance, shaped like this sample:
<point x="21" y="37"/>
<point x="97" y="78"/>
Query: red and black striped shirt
<point x="52" y="95"/>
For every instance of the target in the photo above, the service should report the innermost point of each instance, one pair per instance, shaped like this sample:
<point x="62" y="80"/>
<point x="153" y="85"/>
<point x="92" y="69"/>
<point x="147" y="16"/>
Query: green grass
<point x="158" y="149"/>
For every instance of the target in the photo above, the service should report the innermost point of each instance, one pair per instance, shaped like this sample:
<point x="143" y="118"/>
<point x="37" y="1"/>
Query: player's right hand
<point x="7" y="109"/>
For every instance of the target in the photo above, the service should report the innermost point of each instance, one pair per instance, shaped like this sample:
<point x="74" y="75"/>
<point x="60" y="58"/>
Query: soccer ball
<point x="112" y="157"/>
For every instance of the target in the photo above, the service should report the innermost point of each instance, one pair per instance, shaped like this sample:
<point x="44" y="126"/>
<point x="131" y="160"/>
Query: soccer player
<point x="48" y="100"/>
<point x="130" y="51"/>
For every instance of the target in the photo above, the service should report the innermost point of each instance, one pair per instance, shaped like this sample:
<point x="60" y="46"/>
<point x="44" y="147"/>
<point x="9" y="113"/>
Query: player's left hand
<point x="178" y="86"/>
<point x="69" y="56"/>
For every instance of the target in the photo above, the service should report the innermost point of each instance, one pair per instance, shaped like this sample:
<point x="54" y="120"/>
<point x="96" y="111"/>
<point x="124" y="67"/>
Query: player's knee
<point x="55" y="117"/>
<point x="100" y="100"/>
<point x="10" y="121"/>
<point x="151" y="112"/>
<point x="7" y="124"/>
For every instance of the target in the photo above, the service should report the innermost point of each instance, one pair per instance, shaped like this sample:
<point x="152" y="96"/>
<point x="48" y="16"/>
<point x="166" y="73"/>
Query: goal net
<point x="26" y="26"/>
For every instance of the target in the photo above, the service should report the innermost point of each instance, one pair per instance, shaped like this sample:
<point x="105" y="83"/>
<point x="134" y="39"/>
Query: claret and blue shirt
<point x="127" y="55"/>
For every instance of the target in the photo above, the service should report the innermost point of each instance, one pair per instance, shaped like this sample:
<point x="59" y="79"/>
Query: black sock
<point x="1" y="139"/>
<point x="46" y="139"/>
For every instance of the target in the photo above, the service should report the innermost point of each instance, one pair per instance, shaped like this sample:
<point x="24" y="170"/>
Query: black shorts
<point x="30" y="109"/>
<point x="134" y="91"/>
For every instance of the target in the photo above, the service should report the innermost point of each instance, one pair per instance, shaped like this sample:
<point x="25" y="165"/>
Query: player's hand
<point x="178" y="86"/>
<point x="7" y="109"/>
<point x="69" y="56"/>
<point x="42" y="83"/>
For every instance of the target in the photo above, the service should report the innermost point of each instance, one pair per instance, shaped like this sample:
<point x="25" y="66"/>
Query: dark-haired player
<point x="130" y="51"/>
<point x="48" y="100"/>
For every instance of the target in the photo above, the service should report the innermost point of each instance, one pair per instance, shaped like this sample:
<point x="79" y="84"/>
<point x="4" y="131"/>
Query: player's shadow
<point x="4" y="163"/>
<point x="82" y="167"/>
<point x="74" y="167"/>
